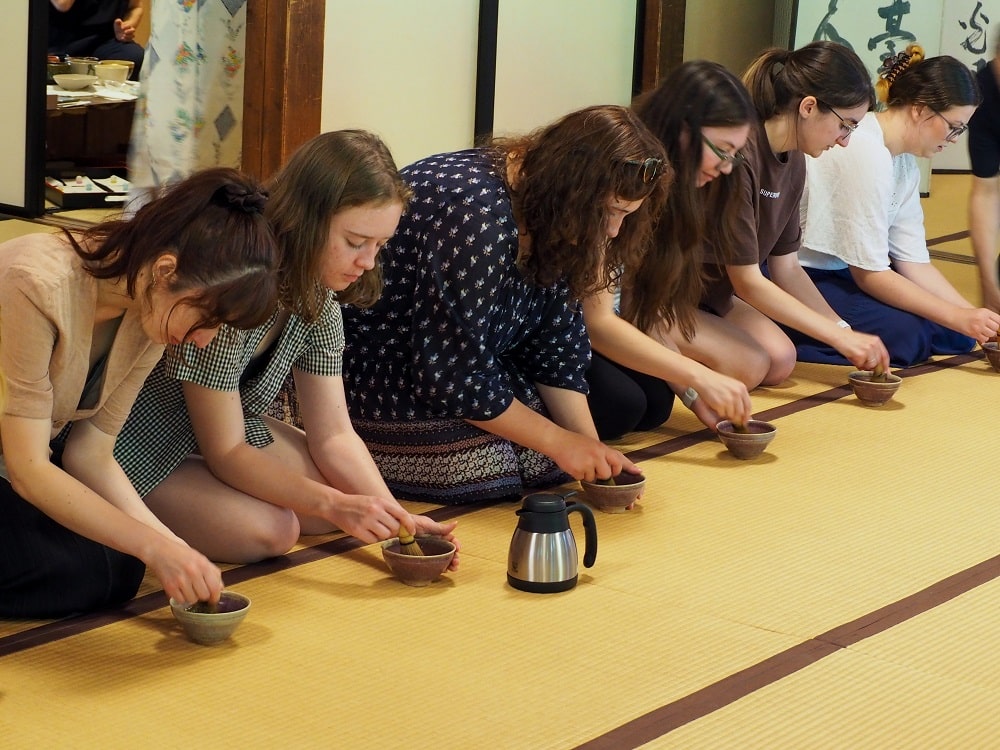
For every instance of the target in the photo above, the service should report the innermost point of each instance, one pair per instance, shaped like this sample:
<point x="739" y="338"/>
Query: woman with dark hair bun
<point x="85" y="319"/>
<point x="466" y="378"/>
<point x="863" y="241"/>
<point x="808" y="101"/>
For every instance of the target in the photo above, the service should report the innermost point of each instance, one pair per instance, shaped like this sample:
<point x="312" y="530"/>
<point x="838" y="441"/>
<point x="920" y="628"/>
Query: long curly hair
<point x="565" y="175"/>
<point x="329" y="173"/>
<point x="668" y="283"/>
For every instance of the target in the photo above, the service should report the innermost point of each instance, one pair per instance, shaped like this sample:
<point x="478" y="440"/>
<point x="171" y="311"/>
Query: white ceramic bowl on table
<point x="74" y="81"/>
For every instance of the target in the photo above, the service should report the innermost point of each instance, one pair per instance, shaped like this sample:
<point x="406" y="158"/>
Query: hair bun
<point x="250" y="201"/>
<point x="893" y="66"/>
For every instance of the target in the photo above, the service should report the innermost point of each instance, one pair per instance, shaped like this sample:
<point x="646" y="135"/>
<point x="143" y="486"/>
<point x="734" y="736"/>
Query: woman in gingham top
<point x="466" y="379"/>
<point x="234" y="482"/>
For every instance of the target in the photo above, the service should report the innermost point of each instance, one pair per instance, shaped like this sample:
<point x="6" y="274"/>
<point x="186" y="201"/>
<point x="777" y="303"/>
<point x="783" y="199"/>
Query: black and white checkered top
<point x="158" y="435"/>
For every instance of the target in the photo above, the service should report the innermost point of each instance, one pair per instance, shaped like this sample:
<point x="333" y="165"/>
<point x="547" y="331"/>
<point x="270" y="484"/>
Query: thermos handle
<point x="590" y="531"/>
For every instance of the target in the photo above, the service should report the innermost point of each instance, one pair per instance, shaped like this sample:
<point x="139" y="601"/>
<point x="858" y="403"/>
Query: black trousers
<point x="48" y="571"/>
<point x="622" y="400"/>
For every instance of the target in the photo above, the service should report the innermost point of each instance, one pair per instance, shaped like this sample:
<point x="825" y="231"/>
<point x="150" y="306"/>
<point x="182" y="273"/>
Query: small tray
<point x="83" y="192"/>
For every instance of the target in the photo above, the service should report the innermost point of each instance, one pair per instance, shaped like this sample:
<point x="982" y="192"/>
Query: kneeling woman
<point x="84" y="321"/>
<point x="863" y="238"/>
<point x="467" y="378"/>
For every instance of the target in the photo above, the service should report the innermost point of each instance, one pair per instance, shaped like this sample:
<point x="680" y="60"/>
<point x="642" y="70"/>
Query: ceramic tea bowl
<point x="992" y="351"/>
<point x="872" y="391"/>
<point x="614" y="495"/>
<point x="748" y="443"/>
<point x="207" y="627"/>
<point x="419" y="570"/>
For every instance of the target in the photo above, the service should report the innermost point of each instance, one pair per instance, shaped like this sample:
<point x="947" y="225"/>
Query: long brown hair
<point x="213" y="222"/>
<point x="327" y="174"/>
<point x="566" y="174"/>
<point x="668" y="284"/>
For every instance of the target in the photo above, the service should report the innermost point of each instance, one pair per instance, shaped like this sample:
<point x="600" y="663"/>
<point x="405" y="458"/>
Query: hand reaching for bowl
<point x="864" y="351"/>
<point x="186" y="574"/>
<point x="719" y="397"/>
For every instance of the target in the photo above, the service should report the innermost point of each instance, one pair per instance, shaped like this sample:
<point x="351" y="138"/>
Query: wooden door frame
<point x="283" y="85"/>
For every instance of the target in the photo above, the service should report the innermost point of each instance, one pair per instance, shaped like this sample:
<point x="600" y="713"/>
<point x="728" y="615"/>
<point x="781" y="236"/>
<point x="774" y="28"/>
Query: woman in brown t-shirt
<point x="83" y="320"/>
<point x="808" y="100"/>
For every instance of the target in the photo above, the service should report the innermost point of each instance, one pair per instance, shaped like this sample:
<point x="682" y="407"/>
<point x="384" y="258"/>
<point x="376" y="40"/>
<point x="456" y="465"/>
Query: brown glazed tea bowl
<point x="614" y="495"/>
<point x="873" y="392"/>
<point x="748" y="443"/>
<point x="419" y="570"/>
<point x="992" y="351"/>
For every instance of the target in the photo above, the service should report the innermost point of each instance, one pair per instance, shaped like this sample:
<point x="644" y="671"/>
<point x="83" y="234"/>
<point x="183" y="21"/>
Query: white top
<point x="862" y="206"/>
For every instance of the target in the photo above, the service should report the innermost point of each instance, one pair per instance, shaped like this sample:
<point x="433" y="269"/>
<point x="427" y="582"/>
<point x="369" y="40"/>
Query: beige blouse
<point x="47" y="307"/>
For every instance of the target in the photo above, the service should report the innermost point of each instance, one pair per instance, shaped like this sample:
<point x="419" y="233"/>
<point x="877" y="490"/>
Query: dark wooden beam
<point x="283" y="84"/>
<point x="662" y="40"/>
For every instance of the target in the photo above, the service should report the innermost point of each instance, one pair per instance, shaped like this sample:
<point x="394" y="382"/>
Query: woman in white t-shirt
<point x="863" y="238"/>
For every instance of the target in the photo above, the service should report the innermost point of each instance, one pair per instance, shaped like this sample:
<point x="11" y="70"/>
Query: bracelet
<point x="689" y="397"/>
<point x="843" y="323"/>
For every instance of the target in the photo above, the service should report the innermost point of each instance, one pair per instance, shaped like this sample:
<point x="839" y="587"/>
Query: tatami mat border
<point x="740" y="684"/>
<point x="53" y="631"/>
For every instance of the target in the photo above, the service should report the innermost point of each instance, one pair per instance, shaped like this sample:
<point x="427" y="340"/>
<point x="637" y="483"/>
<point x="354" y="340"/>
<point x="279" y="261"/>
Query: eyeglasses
<point x="847" y="126"/>
<point x="735" y="159"/>
<point x="649" y="169"/>
<point x="955" y="131"/>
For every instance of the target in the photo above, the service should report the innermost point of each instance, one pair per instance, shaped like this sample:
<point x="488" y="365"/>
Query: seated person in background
<point x="96" y="28"/>
<point x="984" y="198"/>
<point x="239" y="485"/>
<point x="467" y="378"/>
<point x="863" y="230"/>
<point x="702" y="114"/>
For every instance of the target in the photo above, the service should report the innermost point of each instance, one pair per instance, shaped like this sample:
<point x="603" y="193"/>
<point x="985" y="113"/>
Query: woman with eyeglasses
<point x="863" y="234"/>
<point x="702" y="114"/>
<point x="807" y="101"/>
<point x="467" y="378"/>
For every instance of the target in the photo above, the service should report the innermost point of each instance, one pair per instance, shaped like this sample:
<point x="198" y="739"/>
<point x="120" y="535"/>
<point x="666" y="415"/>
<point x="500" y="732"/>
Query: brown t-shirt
<point x="767" y="221"/>
<point x="47" y="308"/>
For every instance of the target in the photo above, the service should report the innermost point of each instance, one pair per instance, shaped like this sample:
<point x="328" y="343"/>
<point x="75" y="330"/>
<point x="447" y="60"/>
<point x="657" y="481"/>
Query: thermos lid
<point x="544" y="502"/>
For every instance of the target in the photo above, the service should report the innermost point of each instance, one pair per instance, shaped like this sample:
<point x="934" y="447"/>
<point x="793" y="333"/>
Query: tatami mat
<point x="837" y="592"/>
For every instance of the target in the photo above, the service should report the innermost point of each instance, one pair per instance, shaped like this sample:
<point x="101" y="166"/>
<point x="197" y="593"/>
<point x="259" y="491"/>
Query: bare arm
<point x="117" y="521"/>
<point x="775" y="300"/>
<point x="621" y="342"/>
<point x="920" y="288"/>
<point x="984" y="227"/>
<point x="569" y="438"/>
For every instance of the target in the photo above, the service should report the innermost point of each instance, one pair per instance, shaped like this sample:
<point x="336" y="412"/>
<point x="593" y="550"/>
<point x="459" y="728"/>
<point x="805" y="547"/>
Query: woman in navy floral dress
<point x="466" y="379"/>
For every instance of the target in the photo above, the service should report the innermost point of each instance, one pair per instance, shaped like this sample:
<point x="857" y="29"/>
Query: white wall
<point x="406" y="69"/>
<point x="14" y="63"/>
<point x="403" y="69"/>
<point x="555" y="56"/>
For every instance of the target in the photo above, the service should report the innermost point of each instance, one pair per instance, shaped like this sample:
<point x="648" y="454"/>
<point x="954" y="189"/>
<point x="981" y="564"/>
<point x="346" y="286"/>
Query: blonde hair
<point x="893" y="66"/>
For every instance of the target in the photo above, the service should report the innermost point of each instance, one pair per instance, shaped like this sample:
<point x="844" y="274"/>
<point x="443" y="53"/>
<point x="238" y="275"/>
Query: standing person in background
<point x="467" y="378"/>
<point x="864" y="244"/>
<point x="85" y="318"/>
<point x="702" y="114"/>
<point x="808" y="101"/>
<point x="96" y="28"/>
<point x="984" y="200"/>
<point x="239" y="485"/>
<point x="189" y="114"/>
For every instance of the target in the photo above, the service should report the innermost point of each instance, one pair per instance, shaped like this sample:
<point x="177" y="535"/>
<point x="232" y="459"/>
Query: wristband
<point x="689" y="397"/>
<point x="843" y="323"/>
